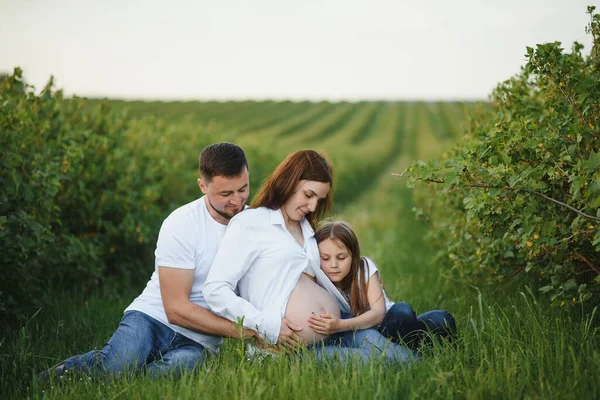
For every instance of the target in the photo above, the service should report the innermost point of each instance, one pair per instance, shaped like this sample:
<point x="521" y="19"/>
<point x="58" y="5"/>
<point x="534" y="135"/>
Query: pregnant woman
<point x="269" y="253"/>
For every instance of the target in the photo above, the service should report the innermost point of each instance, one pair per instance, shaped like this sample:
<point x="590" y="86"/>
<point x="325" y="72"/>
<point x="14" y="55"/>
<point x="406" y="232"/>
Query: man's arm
<point x="175" y="288"/>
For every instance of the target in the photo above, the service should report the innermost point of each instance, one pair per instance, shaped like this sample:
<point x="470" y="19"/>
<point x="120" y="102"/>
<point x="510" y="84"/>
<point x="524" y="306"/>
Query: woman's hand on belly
<point x="325" y="323"/>
<point x="288" y="336"/>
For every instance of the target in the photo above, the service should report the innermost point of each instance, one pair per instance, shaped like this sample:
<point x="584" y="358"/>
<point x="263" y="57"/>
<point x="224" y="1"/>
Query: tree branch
<point x="586" y="124"/>
<point x="579" y="114"/>
<point x="550" y="199"/>
<point x="588" y="262"/>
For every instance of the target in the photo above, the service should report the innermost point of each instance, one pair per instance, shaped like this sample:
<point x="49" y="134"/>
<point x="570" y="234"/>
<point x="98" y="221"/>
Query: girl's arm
<point x="327" y="324"/>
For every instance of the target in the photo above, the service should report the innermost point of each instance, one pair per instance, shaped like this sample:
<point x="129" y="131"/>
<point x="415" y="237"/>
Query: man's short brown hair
<point x="222" y="159"/>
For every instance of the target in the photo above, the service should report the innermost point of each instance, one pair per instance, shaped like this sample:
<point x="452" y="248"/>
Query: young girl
<point x="358" y="281"/>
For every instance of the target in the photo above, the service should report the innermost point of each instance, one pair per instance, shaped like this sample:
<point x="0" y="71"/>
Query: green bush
<point x="68" y="211"/>
<point x="85" y="189"/>
<point x="521" y="194"/>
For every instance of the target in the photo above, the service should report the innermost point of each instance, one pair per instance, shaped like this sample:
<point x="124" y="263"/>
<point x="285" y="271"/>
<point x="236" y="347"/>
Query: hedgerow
<point x="520" y="195"/>
<point x="60" y="194"/>
<point x="85" y="189"/>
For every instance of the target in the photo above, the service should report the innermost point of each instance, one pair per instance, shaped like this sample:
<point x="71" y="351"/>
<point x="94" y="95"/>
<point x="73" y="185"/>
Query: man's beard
<point x="223" y="213"/>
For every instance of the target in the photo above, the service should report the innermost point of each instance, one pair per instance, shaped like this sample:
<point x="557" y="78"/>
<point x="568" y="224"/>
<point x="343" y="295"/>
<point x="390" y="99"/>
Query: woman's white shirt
<point x="260" y="257"/>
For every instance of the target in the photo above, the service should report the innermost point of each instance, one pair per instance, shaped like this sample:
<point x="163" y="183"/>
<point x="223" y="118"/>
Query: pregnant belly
<point x="307" y="298"/>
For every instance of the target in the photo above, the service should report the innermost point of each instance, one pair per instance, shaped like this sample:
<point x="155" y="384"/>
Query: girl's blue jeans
<point x="402" y="325"/>
<point x="363" y="345"/>
<point x="141" y="343"/>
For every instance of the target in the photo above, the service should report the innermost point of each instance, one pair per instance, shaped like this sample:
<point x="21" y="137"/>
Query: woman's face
<point x="305" y="199"/>
<point x="336" y="260"/>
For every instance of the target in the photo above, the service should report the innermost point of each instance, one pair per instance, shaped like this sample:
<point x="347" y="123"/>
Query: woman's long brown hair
<point x="307" y="165"/>
<point x="354" y="284"/>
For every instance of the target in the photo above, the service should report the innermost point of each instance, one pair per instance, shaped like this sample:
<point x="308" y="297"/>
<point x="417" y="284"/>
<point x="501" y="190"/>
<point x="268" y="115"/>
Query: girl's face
<point x="305" y="199"/>
<point x="336" y="260"/>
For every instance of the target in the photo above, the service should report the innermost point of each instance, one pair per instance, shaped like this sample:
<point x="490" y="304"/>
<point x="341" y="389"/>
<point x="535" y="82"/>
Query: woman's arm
<point x="327" y="324"/>
<point x="234" y="258"/>
<point x="176" y="252"/>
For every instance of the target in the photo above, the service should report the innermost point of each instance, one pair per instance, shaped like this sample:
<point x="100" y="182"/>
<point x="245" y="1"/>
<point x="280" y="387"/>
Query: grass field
<point x="510" y="344"/>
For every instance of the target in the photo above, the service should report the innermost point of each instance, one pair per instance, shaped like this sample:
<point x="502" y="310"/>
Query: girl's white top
<point x="342" y="300"/>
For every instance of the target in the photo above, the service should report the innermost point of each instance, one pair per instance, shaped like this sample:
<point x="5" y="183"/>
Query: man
<point x="168" y="328"/>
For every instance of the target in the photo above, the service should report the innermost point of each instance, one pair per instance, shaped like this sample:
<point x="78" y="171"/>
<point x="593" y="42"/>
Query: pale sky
<point x="278" y="49"/>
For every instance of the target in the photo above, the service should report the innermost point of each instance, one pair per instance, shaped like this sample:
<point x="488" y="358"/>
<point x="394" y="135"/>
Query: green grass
<point x="510" y="344"/>
<point x="508" y="347"/>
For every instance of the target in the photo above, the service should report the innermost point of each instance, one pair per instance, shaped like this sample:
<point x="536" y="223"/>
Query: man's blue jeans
<point x="141" y="343"/>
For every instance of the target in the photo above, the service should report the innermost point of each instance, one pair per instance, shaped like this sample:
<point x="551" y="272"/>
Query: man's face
<point x="226" y="196"/>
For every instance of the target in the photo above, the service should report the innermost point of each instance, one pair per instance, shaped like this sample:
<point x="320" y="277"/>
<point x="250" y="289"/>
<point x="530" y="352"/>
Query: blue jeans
<point x="141" y="343"/>
<point x="402" y="325"/>
<point x="364" y="345"/>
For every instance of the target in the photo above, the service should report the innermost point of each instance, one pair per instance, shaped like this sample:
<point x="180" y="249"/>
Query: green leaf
<point x="450" y="179"/>
<point x="546" y="289"/>
<point x="593" y="162"/>
<point x="513" y="180"/>
<point x="529" y="266"/>
<point x="569" y="285"/>
<point x="576" y="186"/>
<point x="531" y="143"/>
<point x="596" y="241"/>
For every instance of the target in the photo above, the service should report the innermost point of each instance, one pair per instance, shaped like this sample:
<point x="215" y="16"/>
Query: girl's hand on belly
<point x="309" y="298"/>
<point x="325" y="323"/>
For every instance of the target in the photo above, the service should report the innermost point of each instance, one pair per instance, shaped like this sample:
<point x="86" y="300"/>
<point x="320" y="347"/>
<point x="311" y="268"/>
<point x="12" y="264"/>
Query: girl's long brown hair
<point x="307" y="165"/>
<point x="354" y="284"/>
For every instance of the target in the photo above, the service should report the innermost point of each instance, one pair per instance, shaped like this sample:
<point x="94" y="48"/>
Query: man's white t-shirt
<point x="189" y="239"/>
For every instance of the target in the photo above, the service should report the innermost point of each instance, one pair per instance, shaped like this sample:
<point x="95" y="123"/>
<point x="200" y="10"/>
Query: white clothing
<point x="342" y="298"/>
<point x="188" y="239"/>
<point x="261" y="257"/>
<point x="369" y="272"/>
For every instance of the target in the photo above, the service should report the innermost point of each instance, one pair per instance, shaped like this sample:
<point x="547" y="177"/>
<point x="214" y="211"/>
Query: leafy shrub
<point x="521" y="194"/>
<point x="68" y="209"/>
<point x="85" y="189"/>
